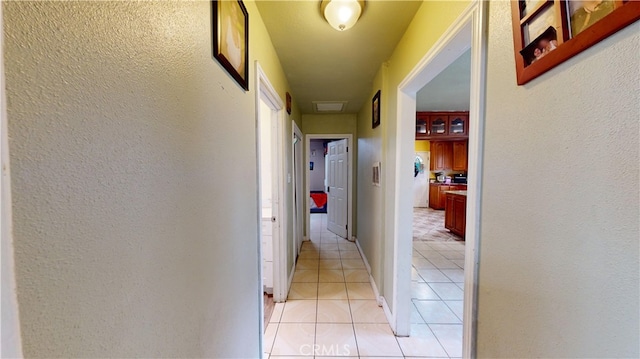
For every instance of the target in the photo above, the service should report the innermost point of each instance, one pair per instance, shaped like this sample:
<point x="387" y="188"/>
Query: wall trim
<point x="467" y="31"/>
<point x="376" y="292"/>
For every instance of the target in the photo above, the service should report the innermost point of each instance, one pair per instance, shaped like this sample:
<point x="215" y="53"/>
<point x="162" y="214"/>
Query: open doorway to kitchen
<point x="437" y="273"/>
<point x="467" y="34"/>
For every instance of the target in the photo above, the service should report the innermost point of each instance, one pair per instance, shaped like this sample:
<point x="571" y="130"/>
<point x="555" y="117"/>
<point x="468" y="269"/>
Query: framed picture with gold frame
<point x="230" y="23"/>
<point x="548" y="32"/>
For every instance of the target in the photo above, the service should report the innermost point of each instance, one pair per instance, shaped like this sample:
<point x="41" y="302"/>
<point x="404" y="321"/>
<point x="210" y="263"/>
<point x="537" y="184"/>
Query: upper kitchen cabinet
<point x="459" y="158"/>
<point x="442" y="125"/>
<point x="441" y="156"/>
<point x="421" y="126"/>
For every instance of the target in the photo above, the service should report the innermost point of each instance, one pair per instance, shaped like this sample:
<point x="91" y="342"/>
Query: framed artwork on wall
<point x="230" y="23"/>
<point x="548" y="32"/>
<point x="375" y="110"/>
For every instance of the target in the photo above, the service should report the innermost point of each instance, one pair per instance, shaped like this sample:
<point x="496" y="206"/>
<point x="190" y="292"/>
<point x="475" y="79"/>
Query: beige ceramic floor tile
<point x="309" y="255"/>
<point x="360" y="291"/>
<point x="309" y="246"/>
<point x="421" y="342"/>
<point x="330" y="264"/>
<point x="277" y="313"/>
<point x="332" y="291"/>
<point x="356" y="275"/>
<point x="367" y="311"/>
<point x="353" y="264"/>
<point x="329" y="246"/>
<point x="307" y="264"/>
<point x="305" y="276"/>
<point x="376" y="340"/>
<point x="299" y="311"/>
<point x="335" y="340"/>
<point x="333" y="311"/>
<point x="347" y="246"/>
<point x="329" y="254"/>
<point x="350" y="255"/>
<point x="303" y="291"/>
<point x="294" y="339"/>
<point x="331" y="276"/>
<point x="270" y="336"/>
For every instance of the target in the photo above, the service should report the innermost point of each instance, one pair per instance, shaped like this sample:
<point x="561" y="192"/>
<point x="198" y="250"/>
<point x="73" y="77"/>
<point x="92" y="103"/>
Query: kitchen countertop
<point x="459" y="193"/>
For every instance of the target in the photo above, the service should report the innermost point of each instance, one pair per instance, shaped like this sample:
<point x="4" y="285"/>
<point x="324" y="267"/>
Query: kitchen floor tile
<point x="422" y="291"/>
<point x="330" y="264"/>
<point x="310" y="264"/>
<point x="450" y="337"/>
<point x="447" y="291"/>
<point x="456" y="275"/>
<point x="270" y="337"/>
<point x="436" y="312"/>
<point x="434" y="275"/>
<point x="456" y="306"/>
<point x="309" y="255"/>
<point x="277" y="313"/>
<point x="421" y="342"/>
<point x="329" y="254"/>
<point x="347" y="246"/>
<point x="353" y="264"/>
<point x="350" y="255"/>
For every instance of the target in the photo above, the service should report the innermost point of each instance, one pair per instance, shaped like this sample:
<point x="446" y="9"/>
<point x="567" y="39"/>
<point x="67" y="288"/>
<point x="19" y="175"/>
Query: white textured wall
<point x="559" y="272"/>
<point x="134" y="183"/>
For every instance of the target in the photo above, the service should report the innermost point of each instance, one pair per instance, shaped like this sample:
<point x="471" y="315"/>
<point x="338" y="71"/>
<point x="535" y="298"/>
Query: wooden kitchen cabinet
<point x="442" y="125"/>
<point x="459" y="156"/>
<point x="437" y="197"/>
<point x="455" y="213"/>
<point x="441" y="155"/>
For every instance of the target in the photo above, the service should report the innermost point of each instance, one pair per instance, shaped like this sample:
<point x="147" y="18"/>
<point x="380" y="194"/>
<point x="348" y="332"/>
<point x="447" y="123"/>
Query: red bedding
<point x="320" y="199"/>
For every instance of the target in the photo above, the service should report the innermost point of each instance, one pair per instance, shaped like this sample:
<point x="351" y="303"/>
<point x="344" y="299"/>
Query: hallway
<point x="332" y="312"/>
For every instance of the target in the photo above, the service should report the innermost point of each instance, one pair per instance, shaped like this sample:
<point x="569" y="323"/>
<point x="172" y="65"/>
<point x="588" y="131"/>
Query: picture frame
<point x="375" y="110"/>
<point x="230" y="25"/>
<point x="288" y="102"/>
<point x="547" y="33"/>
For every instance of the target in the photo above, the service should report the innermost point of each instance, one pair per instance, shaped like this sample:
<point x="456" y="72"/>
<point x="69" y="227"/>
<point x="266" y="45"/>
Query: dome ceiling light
<point x="342" y="14"/>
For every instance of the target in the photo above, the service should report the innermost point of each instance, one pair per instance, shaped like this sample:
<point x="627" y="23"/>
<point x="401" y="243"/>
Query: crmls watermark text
<point x="325" y="350"/>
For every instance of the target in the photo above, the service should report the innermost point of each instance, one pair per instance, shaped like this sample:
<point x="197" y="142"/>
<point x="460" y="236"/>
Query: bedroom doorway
<point x="329" y="182"/>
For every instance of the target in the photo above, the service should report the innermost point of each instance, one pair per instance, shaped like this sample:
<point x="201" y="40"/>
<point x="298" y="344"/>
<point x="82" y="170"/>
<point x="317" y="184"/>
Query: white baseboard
<point x="376" y="292"/>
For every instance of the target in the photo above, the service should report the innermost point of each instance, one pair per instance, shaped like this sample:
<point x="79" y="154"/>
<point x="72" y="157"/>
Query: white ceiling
<point x="323" y="64"/>
<point x="449" y="91"/>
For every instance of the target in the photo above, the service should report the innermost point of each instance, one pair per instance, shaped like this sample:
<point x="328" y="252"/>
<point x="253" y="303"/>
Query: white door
<point x="337" y="187"/>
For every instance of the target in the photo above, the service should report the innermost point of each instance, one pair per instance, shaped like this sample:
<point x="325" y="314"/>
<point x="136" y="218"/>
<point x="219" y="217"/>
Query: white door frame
<point x="298" y="203"/>
<point x="349" y="138"/>
<point x="468" y="31"/>
<point x="265" y="91"/>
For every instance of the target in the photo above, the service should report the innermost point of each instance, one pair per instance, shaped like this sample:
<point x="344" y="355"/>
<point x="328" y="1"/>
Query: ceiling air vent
<point x="329" y="106"/>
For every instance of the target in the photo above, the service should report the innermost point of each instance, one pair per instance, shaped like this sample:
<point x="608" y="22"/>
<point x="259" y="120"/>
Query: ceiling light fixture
<point x="342" y="14"/>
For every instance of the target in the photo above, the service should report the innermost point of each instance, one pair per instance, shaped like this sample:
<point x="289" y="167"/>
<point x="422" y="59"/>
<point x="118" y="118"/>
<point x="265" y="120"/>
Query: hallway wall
<point x="134" y="180"/>
<point x="559" y="262"/>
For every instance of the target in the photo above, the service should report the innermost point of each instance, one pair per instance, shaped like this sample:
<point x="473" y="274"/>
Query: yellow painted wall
<point x="423" y="146"/>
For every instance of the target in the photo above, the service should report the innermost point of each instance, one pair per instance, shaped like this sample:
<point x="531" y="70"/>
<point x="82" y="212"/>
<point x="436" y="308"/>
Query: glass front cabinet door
<point x="438" y="126"/>
<point x="458" y="125"/>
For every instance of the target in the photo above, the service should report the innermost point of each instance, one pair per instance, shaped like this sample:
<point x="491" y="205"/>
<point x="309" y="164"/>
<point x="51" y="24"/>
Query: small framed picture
<point x="375" y="110"/>
<point x="230" y="22"/>
<point x="288" y="97"/>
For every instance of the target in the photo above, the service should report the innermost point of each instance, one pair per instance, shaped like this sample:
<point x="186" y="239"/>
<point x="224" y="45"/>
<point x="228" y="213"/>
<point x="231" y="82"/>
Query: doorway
<point x="468" y="32"/>
<point x="333" y="172"/>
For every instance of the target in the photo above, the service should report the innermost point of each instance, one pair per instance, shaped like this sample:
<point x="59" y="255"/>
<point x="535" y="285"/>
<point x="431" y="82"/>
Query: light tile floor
<point x="331" y="309"/>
